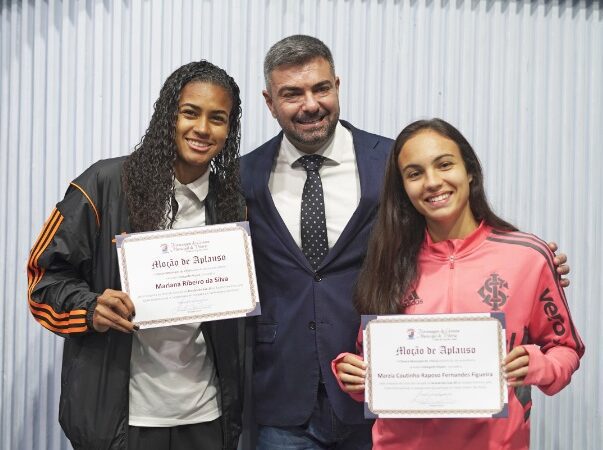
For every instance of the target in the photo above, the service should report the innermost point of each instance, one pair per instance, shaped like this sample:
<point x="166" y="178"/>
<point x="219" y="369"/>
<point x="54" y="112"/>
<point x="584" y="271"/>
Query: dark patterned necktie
<point x="314" y="239"/>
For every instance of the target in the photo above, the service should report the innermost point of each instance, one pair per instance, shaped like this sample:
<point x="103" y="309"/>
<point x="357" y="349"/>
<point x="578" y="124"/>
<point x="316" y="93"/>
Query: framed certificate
<point x="435" y="366"/>
<point x="189" y="275"/>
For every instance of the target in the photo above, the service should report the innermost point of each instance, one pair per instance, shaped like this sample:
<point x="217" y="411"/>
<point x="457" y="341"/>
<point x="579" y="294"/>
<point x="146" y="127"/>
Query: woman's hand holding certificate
<point x="189" y="275"/>
<point x="440" y="365"/>
<point x="114" y="309"/>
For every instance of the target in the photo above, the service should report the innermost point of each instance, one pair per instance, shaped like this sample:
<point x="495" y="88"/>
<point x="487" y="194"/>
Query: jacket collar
<point x="456" y="247"/>
<point x="369" y="171"/>
<point x="211" y="200"/>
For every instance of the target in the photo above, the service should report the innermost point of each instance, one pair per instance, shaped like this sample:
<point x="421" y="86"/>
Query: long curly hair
<point x="148" y="173"/>
<point x="390" y="268"/>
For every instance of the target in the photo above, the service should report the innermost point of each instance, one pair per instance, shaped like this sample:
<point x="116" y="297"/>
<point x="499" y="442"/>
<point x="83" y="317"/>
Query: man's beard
<point x="317" y="137"/>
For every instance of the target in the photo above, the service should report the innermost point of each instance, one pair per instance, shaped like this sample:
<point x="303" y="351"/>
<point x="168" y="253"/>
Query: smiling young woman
<point x="201" y="128"/>
<point x="176" y="387"/>
<point x="436" y="247"/>
<point x="437" y="184"/>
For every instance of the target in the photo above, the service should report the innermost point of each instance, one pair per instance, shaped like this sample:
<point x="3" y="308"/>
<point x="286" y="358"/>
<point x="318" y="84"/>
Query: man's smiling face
<point x="304" y="99"/>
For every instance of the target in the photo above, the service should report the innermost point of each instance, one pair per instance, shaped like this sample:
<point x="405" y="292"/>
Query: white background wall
<point x="522" y="79"/>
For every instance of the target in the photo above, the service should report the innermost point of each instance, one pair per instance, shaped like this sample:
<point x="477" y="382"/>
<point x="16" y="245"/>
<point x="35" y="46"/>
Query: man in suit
<point x="312" y="192"/>
<point x="307" y="313"/>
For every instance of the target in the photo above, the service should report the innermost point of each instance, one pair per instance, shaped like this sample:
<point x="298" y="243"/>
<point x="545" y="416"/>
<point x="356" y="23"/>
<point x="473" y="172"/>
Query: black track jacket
<point x="72" y="262"/>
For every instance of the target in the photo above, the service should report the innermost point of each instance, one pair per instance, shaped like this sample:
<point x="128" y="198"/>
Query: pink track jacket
<point x="489" y="271"/>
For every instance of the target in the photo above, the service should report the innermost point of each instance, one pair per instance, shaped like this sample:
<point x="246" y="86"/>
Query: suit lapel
<point x="266" y="203"/>
<point x="370" y="171"/>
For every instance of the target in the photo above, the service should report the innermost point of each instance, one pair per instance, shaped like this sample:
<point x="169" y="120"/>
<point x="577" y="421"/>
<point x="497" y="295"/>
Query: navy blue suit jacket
<point x="307" y="317"/>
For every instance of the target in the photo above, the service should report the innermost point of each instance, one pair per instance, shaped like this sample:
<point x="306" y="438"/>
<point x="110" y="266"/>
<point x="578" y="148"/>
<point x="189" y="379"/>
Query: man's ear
<point x="269" y="104"/>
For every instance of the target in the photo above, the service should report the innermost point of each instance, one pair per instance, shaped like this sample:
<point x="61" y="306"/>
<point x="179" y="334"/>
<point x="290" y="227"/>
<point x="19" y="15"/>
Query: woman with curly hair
<point x="175" y="387"/>
<point x="436" y="247"/>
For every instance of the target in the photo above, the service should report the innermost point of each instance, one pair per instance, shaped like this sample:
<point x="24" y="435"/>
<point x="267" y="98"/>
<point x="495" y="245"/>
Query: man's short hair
<point x="295" y="50"/>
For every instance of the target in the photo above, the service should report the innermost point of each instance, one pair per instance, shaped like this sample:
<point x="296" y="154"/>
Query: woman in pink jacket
<point x="437" y="247"/>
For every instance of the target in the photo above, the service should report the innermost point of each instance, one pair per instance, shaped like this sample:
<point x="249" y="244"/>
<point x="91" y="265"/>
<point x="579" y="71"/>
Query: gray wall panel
<point x="522" y="79"/>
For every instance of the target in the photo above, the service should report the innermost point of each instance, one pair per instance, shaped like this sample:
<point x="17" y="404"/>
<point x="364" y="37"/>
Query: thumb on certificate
<point x="354" y="360"/>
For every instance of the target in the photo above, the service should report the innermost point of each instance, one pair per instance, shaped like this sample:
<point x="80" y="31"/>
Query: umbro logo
<point x="493" y="292"/>
<point x="411" y="300"/>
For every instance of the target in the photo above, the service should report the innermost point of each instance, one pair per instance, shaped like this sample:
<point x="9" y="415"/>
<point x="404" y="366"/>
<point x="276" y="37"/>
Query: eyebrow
<point x="197" y="108"/>
<point x="297" y="88"/>
<point x="442" y="156"/>
<point x="418" y="166"/>
<point x="323" y="83"/>
<point x="191" y="105"/>
<point x="289" y="89"/>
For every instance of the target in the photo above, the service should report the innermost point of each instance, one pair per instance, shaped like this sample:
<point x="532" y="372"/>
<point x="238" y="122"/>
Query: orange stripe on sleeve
<point x="59" y="323"/>
<point x="42" y="237"/>
<point x="66" y="316"/>
<point x="43" y="313"/>
<point x="34" y="272"/>
<point x="33" y="269"/>
<point x="62" y="330"/>
<point x="89" y="201"/>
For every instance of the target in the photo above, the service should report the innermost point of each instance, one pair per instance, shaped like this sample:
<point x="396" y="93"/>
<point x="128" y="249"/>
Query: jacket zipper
<point x="450" y="282"/>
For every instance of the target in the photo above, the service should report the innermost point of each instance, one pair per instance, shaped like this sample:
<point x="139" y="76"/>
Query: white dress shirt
<point x="340" y="184"/>
<point x="172" y="379"/>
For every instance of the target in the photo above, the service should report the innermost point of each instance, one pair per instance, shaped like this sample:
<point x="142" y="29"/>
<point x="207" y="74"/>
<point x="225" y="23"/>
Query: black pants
<point x="198" y="436"/>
